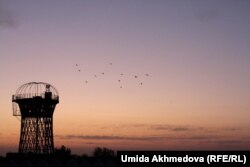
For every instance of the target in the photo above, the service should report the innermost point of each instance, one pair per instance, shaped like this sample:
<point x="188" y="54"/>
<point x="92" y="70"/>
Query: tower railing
<point x="32" y="95"/>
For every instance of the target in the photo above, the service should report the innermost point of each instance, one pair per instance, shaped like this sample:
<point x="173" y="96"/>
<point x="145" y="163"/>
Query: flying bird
<point x="86" y="82"/>
<point x="121" y="74"/>
<point x="141" y="83"/>
<point x="79" y="70"/>
<point x="147" y="75"/>
<point x="102" y="73"/>
<point x="119" y="80"/>
<point x="111" y="64"/>
<point x="136" y="76"/>
<point x="95" y="75"/>
<point x="76" y="64"/>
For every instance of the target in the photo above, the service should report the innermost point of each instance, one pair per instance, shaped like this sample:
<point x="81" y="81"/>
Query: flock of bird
<point x="78" y="69"/>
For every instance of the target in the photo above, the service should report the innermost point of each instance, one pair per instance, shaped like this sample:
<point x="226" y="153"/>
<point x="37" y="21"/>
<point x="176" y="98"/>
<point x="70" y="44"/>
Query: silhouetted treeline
<point x="103" y="152"/>
<point x="62" y="157"/>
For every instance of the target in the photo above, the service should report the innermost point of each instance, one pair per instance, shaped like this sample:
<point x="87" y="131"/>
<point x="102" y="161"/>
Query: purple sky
<point x="196" y="54"/>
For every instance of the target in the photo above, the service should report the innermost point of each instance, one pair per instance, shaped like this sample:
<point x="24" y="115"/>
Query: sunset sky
<point x="197" y="55"/>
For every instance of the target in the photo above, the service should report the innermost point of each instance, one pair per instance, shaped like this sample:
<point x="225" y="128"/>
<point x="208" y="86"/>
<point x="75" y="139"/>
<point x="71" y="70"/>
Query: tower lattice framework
<point x="35" y="102"/>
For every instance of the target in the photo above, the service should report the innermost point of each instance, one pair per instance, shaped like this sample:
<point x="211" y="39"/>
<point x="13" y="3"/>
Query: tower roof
<point x="33" y="89"/>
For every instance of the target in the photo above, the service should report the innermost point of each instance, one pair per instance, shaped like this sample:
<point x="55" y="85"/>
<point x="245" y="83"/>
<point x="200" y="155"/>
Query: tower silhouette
<point x="35" y="103"/>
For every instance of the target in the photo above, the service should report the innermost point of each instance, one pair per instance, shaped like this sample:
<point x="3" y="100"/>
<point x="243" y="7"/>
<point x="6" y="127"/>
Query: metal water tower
<point x="35" y="103"/>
